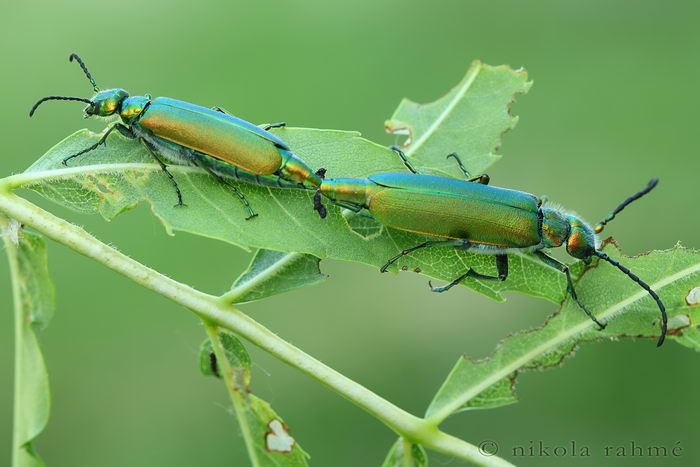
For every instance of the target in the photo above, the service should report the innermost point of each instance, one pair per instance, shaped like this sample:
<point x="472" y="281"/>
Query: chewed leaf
<point x="612" y="297"/>
<point x="468" y="120"/>
<point x="274" y="272"/>
<point x="268" y="438"/>
<point x="274" y="443"/>
<point x="689" y="334"/>
<point x="34" y="306"/>
<point x="122" y="174"/>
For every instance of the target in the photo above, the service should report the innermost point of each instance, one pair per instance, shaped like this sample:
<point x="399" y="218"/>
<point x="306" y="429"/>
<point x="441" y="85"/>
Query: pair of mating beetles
<point x="467" y="214"/>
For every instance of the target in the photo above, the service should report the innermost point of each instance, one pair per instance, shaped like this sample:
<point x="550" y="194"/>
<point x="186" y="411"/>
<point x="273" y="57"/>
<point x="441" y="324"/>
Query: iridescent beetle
<point x="184" y="133"/>
<point x="470" y="214"/>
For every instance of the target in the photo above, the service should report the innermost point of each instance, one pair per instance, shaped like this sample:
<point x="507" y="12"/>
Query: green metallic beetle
<point x="184" y="133"/>
<point x="480" y="218"/>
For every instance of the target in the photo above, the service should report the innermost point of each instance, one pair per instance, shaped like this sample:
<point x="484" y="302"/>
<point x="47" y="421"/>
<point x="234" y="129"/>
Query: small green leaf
<point x="268" y="438"/>
<point x="274" y="272"/>
<point x="468" y="120"/>
<point x="208" y="365"/>
<point x="36" y="286"/>
<point x="236" y="354"/>
<point x="399" y="457"/>
<point x="34" y="306"/>
<point x="612" y="297"/>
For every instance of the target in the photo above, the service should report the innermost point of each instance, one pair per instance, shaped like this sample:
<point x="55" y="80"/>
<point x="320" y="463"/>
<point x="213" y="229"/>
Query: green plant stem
<point x="407" y="451"/>
<point x="212" y="309"/>
<point x="11" y="250"/>
<point x="227" y="376"/>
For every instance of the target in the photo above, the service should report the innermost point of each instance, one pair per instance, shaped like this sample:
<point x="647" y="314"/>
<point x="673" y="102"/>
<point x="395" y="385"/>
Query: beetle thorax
<point x="554" y="228"/>
<point x="132" y="107"/>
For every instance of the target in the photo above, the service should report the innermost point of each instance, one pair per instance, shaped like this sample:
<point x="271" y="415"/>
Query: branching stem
<point x="213" y="311"/>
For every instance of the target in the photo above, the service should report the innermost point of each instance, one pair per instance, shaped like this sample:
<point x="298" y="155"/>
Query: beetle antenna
<point x="600" y="225"/>
<point x="57" y="98"/>
<point x="642" y="284"/>
<point x="74" y="56"/>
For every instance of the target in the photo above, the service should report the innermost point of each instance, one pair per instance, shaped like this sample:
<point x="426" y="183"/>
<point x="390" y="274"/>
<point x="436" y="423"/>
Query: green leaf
<point x="277" y="447"/>
<point x="267" y="437"/>
<point x="208" y="365"/>
<point x="33" y="293"/>
<point x="117" y="177"/>
<point x="690" y="335"/>
<point x="237" y="357"/>
<point x="399" y="456"/>
<point x="611" y="296"/>
<point x="468" y="120"/>
<point x="274" y="272"/>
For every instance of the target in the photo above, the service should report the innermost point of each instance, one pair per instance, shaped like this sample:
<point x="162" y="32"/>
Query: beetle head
<point x="106" y="103"/>
<point x="581" y="242"/>
<point x="103" y="104"/>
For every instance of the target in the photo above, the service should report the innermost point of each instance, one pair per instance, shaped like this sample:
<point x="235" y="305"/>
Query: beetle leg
<point x="483" y="179"/>
<point x="318" y="205"/>
<point x="349" y="206"/>
<point x="345" y="205"/>
<point x="556" y="264"/>
<point x="125" y="131"/>
<point x="404" y="159"/>
<point x="428" y="244"/>
<point x="270" y="126"/>
<point x="224" y="182"/>
<point x="164" y="167"/>
<point x="501" y="267"/>
<point x="117" y="126"/>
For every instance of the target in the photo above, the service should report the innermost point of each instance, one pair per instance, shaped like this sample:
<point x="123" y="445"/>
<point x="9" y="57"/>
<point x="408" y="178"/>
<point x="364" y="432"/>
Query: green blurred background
<point x="615" y="103"/>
